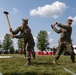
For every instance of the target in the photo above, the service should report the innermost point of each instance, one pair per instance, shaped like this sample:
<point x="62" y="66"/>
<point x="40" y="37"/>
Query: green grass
<point x="42" y="65"/>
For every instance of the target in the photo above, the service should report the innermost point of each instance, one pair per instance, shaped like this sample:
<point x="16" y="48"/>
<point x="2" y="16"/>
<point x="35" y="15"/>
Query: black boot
<point x="28" y="62"/>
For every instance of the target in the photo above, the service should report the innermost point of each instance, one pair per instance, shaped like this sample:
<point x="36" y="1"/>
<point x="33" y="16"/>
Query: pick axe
<point x="6" y="13"/>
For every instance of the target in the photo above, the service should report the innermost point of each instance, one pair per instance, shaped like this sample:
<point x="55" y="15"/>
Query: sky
<point x="41" y="14"/>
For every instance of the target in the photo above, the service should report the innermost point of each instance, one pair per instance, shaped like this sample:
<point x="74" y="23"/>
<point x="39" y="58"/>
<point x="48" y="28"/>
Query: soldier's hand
<point x="53" y="25"/>
<point x="10" y="29"/>
<point x="56" y="23"/>
<point x="12" y="35"/>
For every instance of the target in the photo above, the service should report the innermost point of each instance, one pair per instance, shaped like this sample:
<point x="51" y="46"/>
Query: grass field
<point x="42" y="65"/>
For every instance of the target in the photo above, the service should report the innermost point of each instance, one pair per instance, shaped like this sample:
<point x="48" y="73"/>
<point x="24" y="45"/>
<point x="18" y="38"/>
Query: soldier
<point x="25" y="33"/>
<point x="65" y="39"/>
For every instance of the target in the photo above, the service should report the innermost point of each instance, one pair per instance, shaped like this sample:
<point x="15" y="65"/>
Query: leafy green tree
<point x="20" y="43"/>
<point x="7" y="42"/>
<point x="12" y="50"/>
<point x="42" y="41"/>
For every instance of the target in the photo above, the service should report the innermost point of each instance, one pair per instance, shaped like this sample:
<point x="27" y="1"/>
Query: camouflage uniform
<point x="65" y="40"/>
<point x="28" y="41"/>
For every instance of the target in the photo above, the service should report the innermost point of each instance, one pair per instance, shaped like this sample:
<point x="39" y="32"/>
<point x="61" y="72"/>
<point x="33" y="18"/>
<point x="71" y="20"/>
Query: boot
<point x="33" y="56"/>
<point x="54" y="62"/>
<point x="73" y="61"/>
<point x="28" y="62"/>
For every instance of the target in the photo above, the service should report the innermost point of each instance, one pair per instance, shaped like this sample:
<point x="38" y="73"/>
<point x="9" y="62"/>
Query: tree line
<point x="42" y="42"/>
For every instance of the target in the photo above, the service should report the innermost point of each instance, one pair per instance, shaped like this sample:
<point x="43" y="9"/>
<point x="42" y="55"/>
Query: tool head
<point x="5" y="12"/>
<point x="52" y="26"/>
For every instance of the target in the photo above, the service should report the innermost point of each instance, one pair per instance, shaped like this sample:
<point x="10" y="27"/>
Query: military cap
<point x="24" y="20"/>
<point x="70" y="20"/>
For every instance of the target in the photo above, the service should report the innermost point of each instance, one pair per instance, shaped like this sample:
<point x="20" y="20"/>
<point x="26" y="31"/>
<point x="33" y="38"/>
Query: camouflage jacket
<point x="65" y="32"/>
<point x="25" y="34"/>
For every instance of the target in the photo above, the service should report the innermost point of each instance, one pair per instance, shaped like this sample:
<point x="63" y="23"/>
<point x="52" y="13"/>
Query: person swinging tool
<point x="65" y="39"/>
<point x="25" y="33"/>
<point x="28" y="39"/>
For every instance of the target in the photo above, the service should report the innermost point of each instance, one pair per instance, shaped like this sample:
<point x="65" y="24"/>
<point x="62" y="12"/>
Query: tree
<point x="42" y="40"/>
<point x="12" y="50"/>
<point x="20" y="43"/>
<point x="7" y="42"/>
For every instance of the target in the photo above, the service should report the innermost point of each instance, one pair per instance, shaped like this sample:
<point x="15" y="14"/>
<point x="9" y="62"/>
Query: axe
<point x="6" y="13"/>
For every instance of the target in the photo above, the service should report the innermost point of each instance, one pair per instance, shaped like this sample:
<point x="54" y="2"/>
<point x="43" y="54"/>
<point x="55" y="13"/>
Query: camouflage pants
<point x="27" y="51"/>
<point x="61" y="47"/>
<point x="33" y="52"/>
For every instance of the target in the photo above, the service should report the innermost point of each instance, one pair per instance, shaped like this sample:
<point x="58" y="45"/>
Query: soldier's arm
<point x="62" y="26"/>
<point x="56" y="30"/>
<point x="25" y="34"/>
<point x="16" y="31"/>
<point x="17" y="36"/>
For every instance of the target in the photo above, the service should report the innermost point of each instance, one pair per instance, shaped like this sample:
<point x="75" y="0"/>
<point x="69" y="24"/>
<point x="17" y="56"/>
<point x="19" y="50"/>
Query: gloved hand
<point x="12" y="35"/>
<point x="10" y="30"/>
